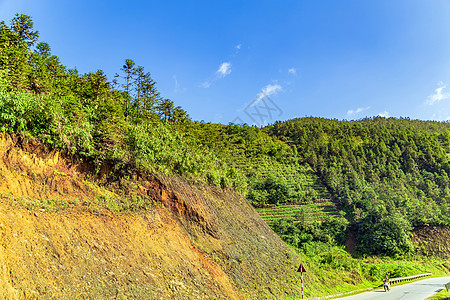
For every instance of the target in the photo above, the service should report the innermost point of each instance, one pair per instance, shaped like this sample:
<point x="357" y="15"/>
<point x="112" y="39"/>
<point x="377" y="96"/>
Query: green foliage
<point x="142" y="98"/>
<point x="84" y="115"/>
<point x="390" y="269"/>
<point x="15" y="111"/>
<point x="389" y="236"/>
<point x="160" y="147"/>
<point x="304" y="235"/>
<point x="388" y="175"/>
<point x="338" y="259"/>
<point x="271" y="167"/>
<point x="272" y="190"/>
<point x="13" y="59"/>
<point x="23" y="26"/>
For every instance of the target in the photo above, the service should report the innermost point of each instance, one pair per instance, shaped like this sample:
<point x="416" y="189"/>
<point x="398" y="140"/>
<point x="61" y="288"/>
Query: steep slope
<point x="432" y="241"/>
<point x="67" y="231"/>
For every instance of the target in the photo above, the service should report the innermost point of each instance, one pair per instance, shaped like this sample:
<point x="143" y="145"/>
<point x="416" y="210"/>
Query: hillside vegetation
<point x="70" y="231"/>
<point x="125" y="121"/>
<point x="387" y="176"/>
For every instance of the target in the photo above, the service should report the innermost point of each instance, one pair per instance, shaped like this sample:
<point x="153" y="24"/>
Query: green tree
<point x="23" y="26"/>
<point x="147" y="95"/>
<point x="165" y="109"/>
<point x="13" y="59"/>
<point x="129" y="72"/>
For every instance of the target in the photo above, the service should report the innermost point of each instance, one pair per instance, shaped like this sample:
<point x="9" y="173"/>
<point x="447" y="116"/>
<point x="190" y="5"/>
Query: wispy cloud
<point x="205" y="84"/>
<point x="438" y="95"/>
<point x="262" y="109"/>
<point x="178" y="88"/>
<point x="292" y="71"/>
<point x="352" y="112"/>
<point x="237" y="49"/>
<point x="224" y="69"/>
<point x="384" y="114"/>
<point x="269" y="90"/>
<point x="440" y="116"/>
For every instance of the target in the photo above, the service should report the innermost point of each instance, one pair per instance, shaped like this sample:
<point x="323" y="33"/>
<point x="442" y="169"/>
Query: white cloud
<point x="438" y="95"/>
<point x="237" y="49"/>
<point x="268" y="90"/>
<point x="384" y="114"/>
<point x="292" y="71"/>
<point x="224" y="69"/>
<point x="178" y="88"/>
<point x="205" y="85"/>
<point x="352" y="112"/>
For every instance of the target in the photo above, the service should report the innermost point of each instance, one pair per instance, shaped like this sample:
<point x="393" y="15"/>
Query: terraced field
<point x="309" y="212"/>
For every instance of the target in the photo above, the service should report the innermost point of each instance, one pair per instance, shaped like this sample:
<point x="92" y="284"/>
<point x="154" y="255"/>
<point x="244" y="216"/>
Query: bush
<point x="17" y="111"/>
<point x="271" y="190"/>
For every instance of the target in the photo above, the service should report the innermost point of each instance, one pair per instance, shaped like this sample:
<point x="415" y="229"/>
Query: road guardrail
<point x="447" y="286"/>
<point x="392" y="280"/>
<point x="401" y="279"/>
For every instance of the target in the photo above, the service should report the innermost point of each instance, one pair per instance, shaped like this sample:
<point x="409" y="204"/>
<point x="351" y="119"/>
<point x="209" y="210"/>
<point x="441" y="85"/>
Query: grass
<point x="442" y="295"/>
<point x="103" y="202"/>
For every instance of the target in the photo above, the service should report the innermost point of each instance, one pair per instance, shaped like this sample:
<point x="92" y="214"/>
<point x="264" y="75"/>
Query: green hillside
<point x="313" y="180"/>
<point x="389" y="175"/>
<point x="311" y="212"/>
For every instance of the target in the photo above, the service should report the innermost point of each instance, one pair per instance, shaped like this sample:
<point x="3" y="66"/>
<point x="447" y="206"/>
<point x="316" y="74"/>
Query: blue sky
<point x="261" y="61"/>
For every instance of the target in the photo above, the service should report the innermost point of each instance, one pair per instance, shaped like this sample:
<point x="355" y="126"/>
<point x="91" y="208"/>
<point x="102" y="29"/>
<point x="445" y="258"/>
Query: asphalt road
<point x="418" y="290"/>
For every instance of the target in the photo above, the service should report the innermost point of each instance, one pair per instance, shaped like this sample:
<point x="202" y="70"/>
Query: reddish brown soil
<point x="189" y="241"/>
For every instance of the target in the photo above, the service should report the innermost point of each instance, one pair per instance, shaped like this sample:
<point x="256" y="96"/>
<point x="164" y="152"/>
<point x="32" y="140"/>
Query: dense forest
<point x="388" y="176"/>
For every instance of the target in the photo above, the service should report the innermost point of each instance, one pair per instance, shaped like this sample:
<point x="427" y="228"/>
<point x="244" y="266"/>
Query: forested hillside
<point x="386" y="176"/>
<point x="389" y="175"/>
<point x="124" y="121"/>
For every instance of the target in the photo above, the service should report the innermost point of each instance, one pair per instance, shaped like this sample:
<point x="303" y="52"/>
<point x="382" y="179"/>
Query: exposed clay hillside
<point x="182" y="240"/>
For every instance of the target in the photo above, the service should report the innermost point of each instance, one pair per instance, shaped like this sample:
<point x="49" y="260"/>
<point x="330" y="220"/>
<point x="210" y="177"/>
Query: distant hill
<point x="387" y="175"/>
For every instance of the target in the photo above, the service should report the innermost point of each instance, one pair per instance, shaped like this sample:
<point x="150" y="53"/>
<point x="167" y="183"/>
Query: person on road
<point x="386" y="284"/>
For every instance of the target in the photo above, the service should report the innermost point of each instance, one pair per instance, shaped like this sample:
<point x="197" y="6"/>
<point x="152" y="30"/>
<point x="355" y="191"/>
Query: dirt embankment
<point x="432" y="241"/>
<point x="186" y="241"/>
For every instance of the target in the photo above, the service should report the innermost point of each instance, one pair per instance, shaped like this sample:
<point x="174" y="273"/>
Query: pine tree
<point x="23" y="26"/>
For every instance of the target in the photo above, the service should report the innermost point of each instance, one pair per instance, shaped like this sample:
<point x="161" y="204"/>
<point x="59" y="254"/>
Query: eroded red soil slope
<point x="183" y="240"/>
